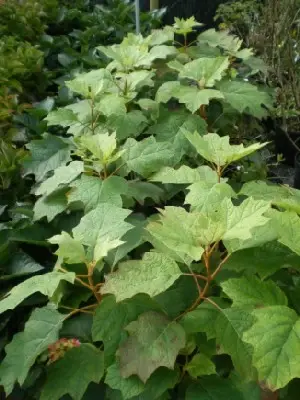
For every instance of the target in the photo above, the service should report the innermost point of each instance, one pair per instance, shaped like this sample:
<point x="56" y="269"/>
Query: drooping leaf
<point x="218" y="150"/>
<point x="45" y="284"/>
<point x="276" y="345"/>
<point x="73" y="373"/>
<point x="46" y="155"/>
<point x="62" y="116"/>
<point x="154" y="274"/>
<point x="91" y="191"/>
<point x="40" y="331"/>
<point x="129" y="387"/>
<point x="213" y="388"/>
<point x="200" y="365"/>
<point x="111" y="318"/>
<point x="153" y="342"/>
<point x="52" y="205"/>
<point x="185" y="174"/>
<point x="69" y="249"/>
<point x="62" y="175"/>
<point x="250" y="291"/>
<point x="21" y="264"/>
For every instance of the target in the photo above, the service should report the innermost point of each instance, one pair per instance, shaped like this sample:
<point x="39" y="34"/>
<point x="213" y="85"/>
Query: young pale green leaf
<point x="154" y="274"/>
<point x="206" y="71"/>
<point x="103" y="247"/>
<point x="276" y="345"/>
<point x="185" y="175"/>
<point x="154" y="341"/>
<point x="250" y="291"/>
<point x="287" y="225"/>
<point x="62" y="175"/>
<point x="52" y="205"/>
<point x="45" y="284"/>
<point x="105" y="222"/>
<point x="183" y="26"/>
<point x="160" y="36"/>
<point x="147" y="156"/>
<point x="46" y="155"/>
<point x="111" y="318"/>
<point x="92" y="83"/>
<point x="91" y="191"/>
<point x="111" y="104"/>
<point x="20" y="265"/>
<point x="102" y="146"/>
<point x="178" y="233"/>
<point x="40" y="331"/>
<point x="200" y="365"/>
<point x="213" y="388"/>
<point x="129" y="125"/>
<point x="129" y="387"/>
<point x="62" y="116"/>
<point x="263" y="260"/>
<point x="245" y="97"/>
<point x="204" y="195"/>
<point x="69" y="250"/>
<point x="140" y="191"/>
<point x="218" y="150"/>
<point x="73" y="373"/>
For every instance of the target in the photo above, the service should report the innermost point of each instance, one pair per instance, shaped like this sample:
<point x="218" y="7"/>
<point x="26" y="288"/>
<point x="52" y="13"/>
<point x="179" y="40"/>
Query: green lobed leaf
<point x="129" y="387"/>
<point x="250" y="291"/>
<point x="52" y="205"/>
<point x="19" y="265"/>
<point x="69" y="250"/>
<point x="154" y="274"/>
<point x="101" y="146"/>
<point x="45" y="284"/>
<point x="40" y="331"/>
<point x="154" y="341"/>
<point x="200" y="365"/>
<point x="276" y="345"/>
<point x="128" y="125"/>
<point x="213" y="388"/>
<point x="73" y="373"/>
<point x="62" y="116"/>
<point x="185" y="175"/>
<point x="287" y="225"/>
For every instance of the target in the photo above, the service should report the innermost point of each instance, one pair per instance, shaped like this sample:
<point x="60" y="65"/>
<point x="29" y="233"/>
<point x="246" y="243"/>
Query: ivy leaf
<point x="218" y="150"/>
<point x="204" y="195"/>
<point x="91" y="191"/>
<point x="245" y="97"/>
<point x="276" y="345"/>
<point x="62" y="175"/>
<point x="200" y="365"/>
<point x="73" y="373"/>
<point x="40" y="331"/>
<point x="111" y="318"/>
<point x="206" y="71"/>
<point x="213" y="388"/>
<point x="154" y="274"/>
<point x="52" y="205"/>
<point x="129" y="387"/>
<point x="153" y="342"/>
<point x="264" y="260"/>
<point x="62" y="116"/>
<point x="250" y="291"/>
<point x="178" y="232"/>
<point x="46" y="155"/>
<point x="45" y="284"/>
<point x="146" y="156"/>
<point x="185" y="175"/>
<point x="68" y="249"/>
<point x="105" y="222"/>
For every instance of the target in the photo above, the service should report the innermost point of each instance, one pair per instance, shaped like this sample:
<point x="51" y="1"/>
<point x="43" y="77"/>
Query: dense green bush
<point x="119" y="300"/>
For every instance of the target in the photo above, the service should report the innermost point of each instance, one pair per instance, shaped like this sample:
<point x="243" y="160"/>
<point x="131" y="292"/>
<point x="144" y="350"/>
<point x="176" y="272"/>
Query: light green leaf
<point x="40" y="331"/>
<point x="52" y="205"/>
<point x="213" y="388"/>
<point x="62" y="116"/>
<point x="105" y="222"/>
<point x="160" y="36"/>
<point x="153" y="342"/>
<point x="92" y="83"/>
<point x="140" y="191"/>
<point x="185" y="174"/>
<point x="111" y="318"/>
<point x="203" y="195"/>
<point x="73" y="373"/>
<point x="45" y="284"/>
<point x="264" y="260"/>
<point x="102" y="247"/>
<point x="177" y="233"/>
<point x="206" y="71"/>
<point x="62" y="175"/>
<point x="154" y="274"/>
<point x="276" y="345"/>
<point x="129" y="387"/>
<point x="250" y="291"/>
<point x="184" y="26"/>
<point x="129" y="125"/>
<point x="111" y="104"/>
<point x="68" y="249"/>
<point x="147" y="156"/>
<point x="287" y="225"/>
<point x="200" y="365"/>
<point x="218" y="150"/>
<point x="102" y="146"/>
<point x="46" y="155"/>
<point x="166" y="91"/>
<point x="245" y="97"/>
<point x="91" y="191"/>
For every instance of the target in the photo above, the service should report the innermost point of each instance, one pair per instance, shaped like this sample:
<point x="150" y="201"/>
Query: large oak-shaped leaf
<point x="185" y="175"/>
<point x="154" y="274"/>
<point x="275" y="338"/>
<point x="154" y="341"/>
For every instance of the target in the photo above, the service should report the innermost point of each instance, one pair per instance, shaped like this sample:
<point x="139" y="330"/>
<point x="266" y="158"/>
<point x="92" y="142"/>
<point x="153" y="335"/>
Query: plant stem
<point x="220" y="266"/>
<point x="197" y="275"/>
<point x="90" y="268"/>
